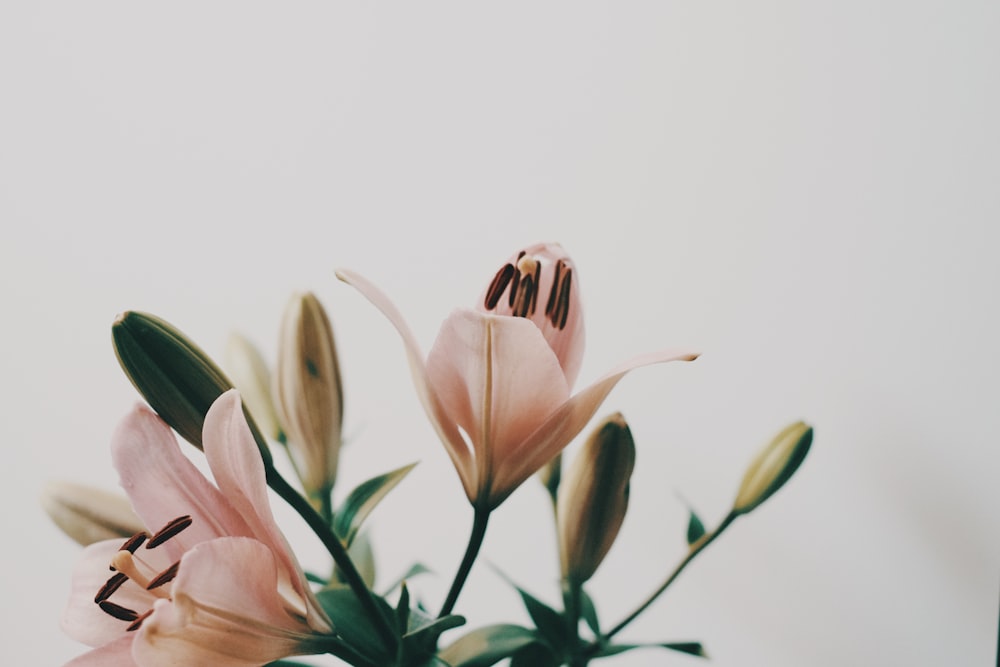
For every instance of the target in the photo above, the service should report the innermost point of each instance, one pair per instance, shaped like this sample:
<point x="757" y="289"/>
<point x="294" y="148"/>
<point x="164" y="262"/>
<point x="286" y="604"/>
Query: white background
<point x="805" y="192"/>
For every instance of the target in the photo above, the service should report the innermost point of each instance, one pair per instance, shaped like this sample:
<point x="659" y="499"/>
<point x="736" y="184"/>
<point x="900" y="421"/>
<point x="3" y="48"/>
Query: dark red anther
<point x="112" y="585"/>
<point x="118" y="611"/>
<point x="169" y="531"/>
<point x="164" y="577"/>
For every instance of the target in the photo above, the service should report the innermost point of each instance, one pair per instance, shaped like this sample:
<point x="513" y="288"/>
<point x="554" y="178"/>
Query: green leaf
<point x="691" y="648"/>
<point x="551" y="624"/>
<point x="403" y="609"/>
<point x="424" y="633"/>
<point x="534" y="655"/>
<point x="352" y="623"/>
<point x="487" y="646"/>
<point x="589" y="613"/>
<point x="696" y="529"/>
<point x="362" y="500"/>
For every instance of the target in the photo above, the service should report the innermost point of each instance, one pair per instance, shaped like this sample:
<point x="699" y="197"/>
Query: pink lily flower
<point x="217" y="584"/>
<point x="496" y="383"/>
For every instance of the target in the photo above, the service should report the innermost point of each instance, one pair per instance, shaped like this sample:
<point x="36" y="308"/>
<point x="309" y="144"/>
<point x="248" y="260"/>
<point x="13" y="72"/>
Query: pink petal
<point x="566" y="422"/>
<point x="238" y="469"/>
<point x="498" y="379"/>
<point x="163" y="484"/>
<point x="457" y="449"/>
<point x="226" y="611"/>
<point x="82" y="619"/>
<point x="114" y="654"/>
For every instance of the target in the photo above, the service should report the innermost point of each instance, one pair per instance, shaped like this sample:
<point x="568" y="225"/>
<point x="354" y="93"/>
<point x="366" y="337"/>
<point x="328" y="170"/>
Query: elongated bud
<point x="540" y="283"/>
<point x="177" y="379"/>
<point x="88" y="514"/>
<point x="773" y="466"/>
<point x="246" y="366"/>
<point x="308" y="391"/>
<point x="593" y="498"/>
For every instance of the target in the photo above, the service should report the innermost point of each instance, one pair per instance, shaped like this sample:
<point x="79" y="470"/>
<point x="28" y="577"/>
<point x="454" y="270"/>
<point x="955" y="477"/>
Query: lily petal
<point x="566" y="422"/>
<point x="82" y="619"/>
<point x="497" y="378"/>
<point x="113" y="654"/>
<point x="159" y="480"/>
<point x="455" y="445"/>
<point x="236" y="464"/>
<point x="226" y="611"/>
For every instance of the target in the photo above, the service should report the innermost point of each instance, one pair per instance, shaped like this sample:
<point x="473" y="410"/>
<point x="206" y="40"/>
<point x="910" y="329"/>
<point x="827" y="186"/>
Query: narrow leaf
<point x="551" y="624"/>
<point x="362" y="500"/>
<point x="487" y="646"/>
<point x="691" y="648"/>
<point x="415" y="569"/>
<point x="589" y="613"/>
<point x="696" y="529"/>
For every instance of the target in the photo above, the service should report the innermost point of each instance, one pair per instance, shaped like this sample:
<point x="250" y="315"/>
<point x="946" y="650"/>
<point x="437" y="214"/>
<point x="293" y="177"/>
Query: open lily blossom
<point x="497" y="382"/>
<point x="213" y="581"/>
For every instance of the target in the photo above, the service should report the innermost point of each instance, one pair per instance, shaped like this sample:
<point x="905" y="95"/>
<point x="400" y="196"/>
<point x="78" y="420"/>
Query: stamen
<point x="169" y="531"/>
<point x="498" y="285"/>
<point x="112" y="585"/>
<point x="118" y="611"/>
<point x="164" y="577"/>
<point x="560" y="314"/>
<point x="131" y="544"/>
<point x="554" y="290"/>
<point x="138" y="622"/>
<point x="537" y="287"/>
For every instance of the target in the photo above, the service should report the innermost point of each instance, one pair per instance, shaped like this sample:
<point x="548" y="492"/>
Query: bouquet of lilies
<point x="196" y="571"/>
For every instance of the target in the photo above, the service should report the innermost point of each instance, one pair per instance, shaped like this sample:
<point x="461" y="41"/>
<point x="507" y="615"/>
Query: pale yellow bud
<point x="773" y="466"/>
<point x="308" y="392"/>
<point x="251" y="376"/>
<point x="593" y="498"/>
<point x="89" y="515"/>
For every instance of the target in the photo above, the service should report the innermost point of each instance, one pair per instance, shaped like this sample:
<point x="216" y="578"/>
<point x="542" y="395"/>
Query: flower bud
<point x="89" y="515"/>
<point x="177" y="379"/>
<point x="540" y="283"/>
<point x="252" y="377"/>
<point x="593" y="498"/>
<point x="308" y="392"/>
<point x="773" y="466"/>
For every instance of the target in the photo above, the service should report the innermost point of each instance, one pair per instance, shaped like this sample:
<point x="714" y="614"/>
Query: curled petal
<point x="566" y="422"/>
<point x="225" y="611"/>
<point x="446" y="428"/>
<point x="236" y="464"/>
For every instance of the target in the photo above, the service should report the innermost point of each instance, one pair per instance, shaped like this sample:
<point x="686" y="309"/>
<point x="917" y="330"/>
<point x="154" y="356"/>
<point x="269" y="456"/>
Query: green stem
<point x="336" y="549"/>
<point x="571" y="601"/>
<point x="479" y="522"/>
<point x="695" y="549"/>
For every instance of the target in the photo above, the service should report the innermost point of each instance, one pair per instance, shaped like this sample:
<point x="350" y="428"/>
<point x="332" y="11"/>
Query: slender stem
<point x="336" y="549"/>
<point x="571" y="601"/>
<point x="696" y="548"/>
<point x="479" y="521"/>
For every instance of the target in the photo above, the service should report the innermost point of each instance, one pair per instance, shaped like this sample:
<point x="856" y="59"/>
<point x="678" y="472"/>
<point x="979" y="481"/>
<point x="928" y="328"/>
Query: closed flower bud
<point x="177" y="379"/>
<point x="252" y="377"/>
<point x="89" y="515"/>
<point x="593" y="498"/>
<point x="773" y="466"/>
<point x="308" y="392"/>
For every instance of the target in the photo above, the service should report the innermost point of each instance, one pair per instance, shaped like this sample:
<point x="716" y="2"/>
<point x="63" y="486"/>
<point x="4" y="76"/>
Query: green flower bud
<point x="250" y="374"/>
<point x="593" y="498"/>
<point x="89" y="515"/>
<point x="177" y="379"/>
<point x="773" y="466"/>
<point x="308" y="394"/>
